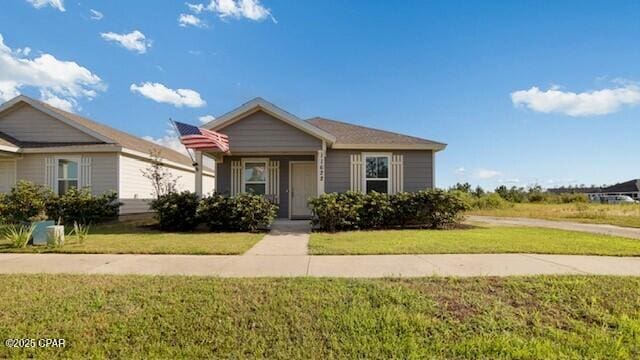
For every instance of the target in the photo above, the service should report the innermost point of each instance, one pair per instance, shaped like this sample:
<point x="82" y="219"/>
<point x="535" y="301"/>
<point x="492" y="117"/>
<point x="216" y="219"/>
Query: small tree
<point x="162" y="180"/>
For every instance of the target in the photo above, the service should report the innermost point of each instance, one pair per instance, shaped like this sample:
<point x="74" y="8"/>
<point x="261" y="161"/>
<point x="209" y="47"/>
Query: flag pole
<point x="175" y="127"/>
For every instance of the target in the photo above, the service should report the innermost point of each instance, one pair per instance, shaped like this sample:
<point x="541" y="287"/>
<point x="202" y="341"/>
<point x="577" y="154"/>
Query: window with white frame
<point x="376" y="173"/>
<point x="255" y="176"/>
<point x="67" y="175"/>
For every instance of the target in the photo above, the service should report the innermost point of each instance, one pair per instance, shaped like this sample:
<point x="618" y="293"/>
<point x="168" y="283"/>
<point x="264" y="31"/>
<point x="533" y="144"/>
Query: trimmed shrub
<point x="245" y="212"/>
<point x="437" y="209"/>
<point x="432" y="208"/>
<point x="26" y="201"/>
<point x="176" y="211"/>
<point x="337" y="211"/>
<point x="253" y="211"/>
<point x="376" y="211"/>
<point x="80" y="206"/>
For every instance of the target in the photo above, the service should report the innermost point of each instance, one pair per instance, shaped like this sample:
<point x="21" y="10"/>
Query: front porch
<point x="288" y="180"/>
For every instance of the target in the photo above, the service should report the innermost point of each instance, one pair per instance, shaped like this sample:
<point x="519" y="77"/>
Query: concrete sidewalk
<point x="286" y="238"/>
<point x="633" y="233"/>
<point x="321" y="266"/>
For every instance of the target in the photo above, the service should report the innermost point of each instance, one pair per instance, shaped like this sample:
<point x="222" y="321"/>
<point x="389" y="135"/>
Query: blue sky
<point x="522" y="92"/>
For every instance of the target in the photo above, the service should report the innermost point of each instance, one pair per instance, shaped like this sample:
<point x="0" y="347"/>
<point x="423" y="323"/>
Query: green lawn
<point x="137" y="239"/>
<point x="475" y="240"/>
<point x="621" y="215"/>
<point x="178" y="317"/>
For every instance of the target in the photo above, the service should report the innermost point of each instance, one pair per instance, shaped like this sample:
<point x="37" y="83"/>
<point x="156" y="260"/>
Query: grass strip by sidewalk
<point x="133" y="239"/>
<point x="188" y="317"/>
<point x="471" y="241"/>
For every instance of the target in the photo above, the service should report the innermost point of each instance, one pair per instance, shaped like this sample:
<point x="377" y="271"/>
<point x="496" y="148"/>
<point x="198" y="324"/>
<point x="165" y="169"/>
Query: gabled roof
<point x="258" y="104"/>
<point x="350" y="136"/>
<point x="7" y="143"/>
<point x="337" y="134"/>
<point x="628" y="186"/>
<point x="104" y="133"/>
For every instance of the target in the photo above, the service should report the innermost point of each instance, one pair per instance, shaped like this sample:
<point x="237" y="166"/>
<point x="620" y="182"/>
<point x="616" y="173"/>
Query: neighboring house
<point x="288" y="159"/>
<point x="630" y="188"/>
<point x="52" y="147"/>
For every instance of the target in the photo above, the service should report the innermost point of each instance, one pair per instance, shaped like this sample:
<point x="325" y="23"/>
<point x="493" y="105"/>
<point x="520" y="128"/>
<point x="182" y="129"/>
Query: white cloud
<point x="237" y="9"/>
<point x="486" y="174"/>
<point x="162" y="94"/>
<point x="134" y="41"/>
<point x="59" y="82"/>
<point x="190" y="20"/>
<point x="65" y="104"/>
<point x="195" y="8"/>
<point x="597" y="102"/>
<point x="460" y="170"/>
<point x="170" y="140"/>
<point x="206" y="118"/>
<point x="57" y="4"/>
<point x="96" y="15"/>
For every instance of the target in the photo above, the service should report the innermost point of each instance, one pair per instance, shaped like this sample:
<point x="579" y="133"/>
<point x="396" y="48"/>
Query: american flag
<point x="193" y="137"/>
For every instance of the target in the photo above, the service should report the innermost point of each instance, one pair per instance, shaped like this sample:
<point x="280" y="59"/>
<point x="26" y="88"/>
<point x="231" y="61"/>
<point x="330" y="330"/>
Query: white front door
<point x="7" y="175"/>
<point x="303" y="186"/>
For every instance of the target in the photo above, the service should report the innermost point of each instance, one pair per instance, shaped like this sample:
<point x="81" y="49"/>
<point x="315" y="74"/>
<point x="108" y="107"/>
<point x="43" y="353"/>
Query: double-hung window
<point x="67" y="175"/>
<point x="255" y="176"/>
<point x="376" y="170"/>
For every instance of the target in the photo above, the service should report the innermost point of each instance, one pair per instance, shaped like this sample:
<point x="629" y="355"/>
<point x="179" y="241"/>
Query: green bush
<point x="490" y="201"/>
<point x="26" y="201"/>
<point x="337" y="211"/>
<point x="80" y="206"/>
<point x="4" y="208"/>
<point x="346" y="211"/>
<point x="176" y="211"/>
<point x="438" y="209"/>
<point x="253" y="211"/>
<point x="245" y="212"/>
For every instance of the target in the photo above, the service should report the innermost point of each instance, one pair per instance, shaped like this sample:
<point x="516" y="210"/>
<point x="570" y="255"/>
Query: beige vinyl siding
<point x="8" y="175"/>
<point x="28" y="124"/>
<point x="208" y="184"/>
<point x="417" y="169"/>
<point x="263" y="133"/>
<point x="135" y="186"/>
<point x="104" y="169"/>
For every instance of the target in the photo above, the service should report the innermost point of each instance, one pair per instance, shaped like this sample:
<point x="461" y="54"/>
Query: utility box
<point x="40" y="235"/>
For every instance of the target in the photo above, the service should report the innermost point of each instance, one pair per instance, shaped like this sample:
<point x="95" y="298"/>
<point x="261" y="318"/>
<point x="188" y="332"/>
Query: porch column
<point x="320" y="159"/>
<point x="199" y="167"/>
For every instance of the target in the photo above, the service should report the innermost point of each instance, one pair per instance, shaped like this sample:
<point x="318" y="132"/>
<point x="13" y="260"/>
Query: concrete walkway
<point x="562" y="225"/>
<point x="321" y="266"/>
<point x="286" y="238"/>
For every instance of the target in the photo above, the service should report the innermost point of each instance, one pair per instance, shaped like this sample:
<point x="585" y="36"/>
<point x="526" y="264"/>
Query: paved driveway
<point x="562" y="225"/>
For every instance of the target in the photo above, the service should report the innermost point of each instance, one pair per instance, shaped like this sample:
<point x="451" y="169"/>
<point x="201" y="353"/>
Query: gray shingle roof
<point x="628" y="186"/>
<point x="346" y="133"/>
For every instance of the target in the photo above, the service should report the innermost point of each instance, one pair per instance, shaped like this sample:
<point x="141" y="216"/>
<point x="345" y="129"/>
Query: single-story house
<point x="288" y="159"/>
<point x="52" y="147"/>
<point x="630" y="188"/>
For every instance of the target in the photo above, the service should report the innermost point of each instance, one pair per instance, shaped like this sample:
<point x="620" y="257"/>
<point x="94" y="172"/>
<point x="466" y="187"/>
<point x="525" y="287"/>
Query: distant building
<point x="630" y="188"/>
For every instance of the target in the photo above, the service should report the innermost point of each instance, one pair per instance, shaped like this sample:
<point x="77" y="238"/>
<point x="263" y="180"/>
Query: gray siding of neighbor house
<point x="28" y="124"/>
<point x="262" y="133"/>
<point x="104" y="170"/>
<point x="223" y="177"/>
<point x="417" y="169"/>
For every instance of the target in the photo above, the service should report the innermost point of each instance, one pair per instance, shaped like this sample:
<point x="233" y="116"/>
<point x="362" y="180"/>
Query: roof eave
<point x="433" y="147"/>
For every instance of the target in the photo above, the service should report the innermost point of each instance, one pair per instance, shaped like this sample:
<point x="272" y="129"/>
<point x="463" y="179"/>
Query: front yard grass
<point x="190" y="317"/>
<point x="471" y="241"/>
<point x="136" y="238"/>
<point x="621" y="215"/>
